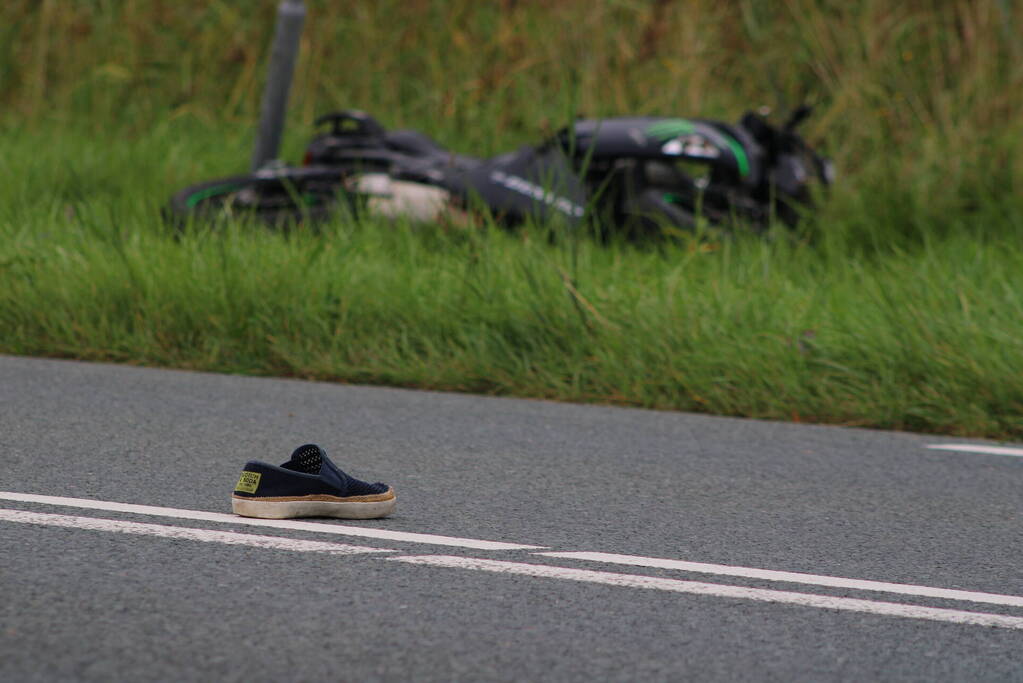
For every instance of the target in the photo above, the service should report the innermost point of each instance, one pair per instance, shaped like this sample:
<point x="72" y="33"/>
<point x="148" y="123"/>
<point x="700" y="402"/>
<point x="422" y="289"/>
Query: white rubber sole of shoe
<point x="354" y="507"/>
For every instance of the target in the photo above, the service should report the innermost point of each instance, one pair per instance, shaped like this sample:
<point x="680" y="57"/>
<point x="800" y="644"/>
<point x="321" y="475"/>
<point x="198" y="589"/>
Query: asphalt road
<point x="105" y="594"/>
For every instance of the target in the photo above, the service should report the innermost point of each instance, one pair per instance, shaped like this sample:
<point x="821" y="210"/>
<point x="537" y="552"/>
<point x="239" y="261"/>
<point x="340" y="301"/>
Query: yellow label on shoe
<point x="249" y="482"/>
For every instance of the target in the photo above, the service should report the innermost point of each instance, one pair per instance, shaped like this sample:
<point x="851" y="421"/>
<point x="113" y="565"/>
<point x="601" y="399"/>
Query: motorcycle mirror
<point x="798" y="116"/>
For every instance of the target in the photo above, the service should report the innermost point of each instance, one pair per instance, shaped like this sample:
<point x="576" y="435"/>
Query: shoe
<point x="308" y="485"/>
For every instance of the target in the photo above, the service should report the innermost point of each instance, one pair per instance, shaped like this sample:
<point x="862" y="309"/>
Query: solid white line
<point x="969" y="448"/>
<point x="273" y="523"/>
<point x="187" y="533"/>
<point x="761" y="594"/>
<point x="793" y="577"/>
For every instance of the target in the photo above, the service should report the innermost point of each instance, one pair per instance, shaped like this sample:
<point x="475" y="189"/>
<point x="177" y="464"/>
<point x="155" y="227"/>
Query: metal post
<point x="290" y="16"/>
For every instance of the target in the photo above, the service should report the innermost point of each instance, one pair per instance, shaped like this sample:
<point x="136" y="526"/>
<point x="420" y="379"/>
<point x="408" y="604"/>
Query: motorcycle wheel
<point x="277" y="198"/>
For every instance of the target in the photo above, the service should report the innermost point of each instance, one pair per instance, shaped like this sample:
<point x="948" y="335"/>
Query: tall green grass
<point x="898" y="305"/>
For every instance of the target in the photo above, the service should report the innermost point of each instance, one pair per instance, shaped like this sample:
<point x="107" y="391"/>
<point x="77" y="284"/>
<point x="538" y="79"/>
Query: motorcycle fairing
<point x="530" y="182"/>
<point x="730" y="153"/>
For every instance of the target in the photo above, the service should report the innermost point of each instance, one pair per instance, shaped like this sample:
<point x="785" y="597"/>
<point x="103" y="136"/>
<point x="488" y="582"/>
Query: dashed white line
<point x="186" y="533"/>
<point x="890" y="609"/>
<point x="971" y="448"/>
<point x="792" y="577"/>
<point x="344" y="530"/>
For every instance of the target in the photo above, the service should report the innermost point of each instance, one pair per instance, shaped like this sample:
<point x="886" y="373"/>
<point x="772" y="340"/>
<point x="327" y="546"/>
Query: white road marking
<point x="187" y="533"/>
<point x="970" y="448"/>
<point x="793" y="577"/>
<point x="760" y="594"/>
<point x="544" y="571"/>
<point x="222" y="518"/>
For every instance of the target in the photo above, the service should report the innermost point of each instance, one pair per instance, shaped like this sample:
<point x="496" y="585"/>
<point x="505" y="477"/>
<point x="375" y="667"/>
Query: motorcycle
<point x="637" y="175"/>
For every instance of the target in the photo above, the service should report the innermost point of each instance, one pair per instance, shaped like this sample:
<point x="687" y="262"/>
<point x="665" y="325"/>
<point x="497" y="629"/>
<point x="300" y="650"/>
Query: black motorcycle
<point x="634" y="175"/>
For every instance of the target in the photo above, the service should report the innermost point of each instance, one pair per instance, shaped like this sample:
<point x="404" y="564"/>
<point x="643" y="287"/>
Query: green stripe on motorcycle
<point x="740" y="154"/>
<point x="201" y="195"/>
<point x="671" y="128"/>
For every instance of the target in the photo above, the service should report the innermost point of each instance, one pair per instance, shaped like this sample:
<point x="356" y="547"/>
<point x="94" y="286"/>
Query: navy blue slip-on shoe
<point x="308" y="485"/>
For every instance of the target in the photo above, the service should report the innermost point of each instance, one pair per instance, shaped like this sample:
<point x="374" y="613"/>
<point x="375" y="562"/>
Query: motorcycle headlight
<point x="790" y="176"/>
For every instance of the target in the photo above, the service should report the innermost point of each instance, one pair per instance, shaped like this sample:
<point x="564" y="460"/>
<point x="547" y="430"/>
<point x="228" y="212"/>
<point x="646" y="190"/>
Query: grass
<point x="899" y="306"/>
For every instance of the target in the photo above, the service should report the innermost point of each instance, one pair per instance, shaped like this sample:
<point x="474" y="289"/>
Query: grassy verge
<point x="899" y="306"/>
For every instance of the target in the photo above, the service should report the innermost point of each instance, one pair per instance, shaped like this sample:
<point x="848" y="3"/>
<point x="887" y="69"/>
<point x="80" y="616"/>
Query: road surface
<point x="532" y="541"/>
